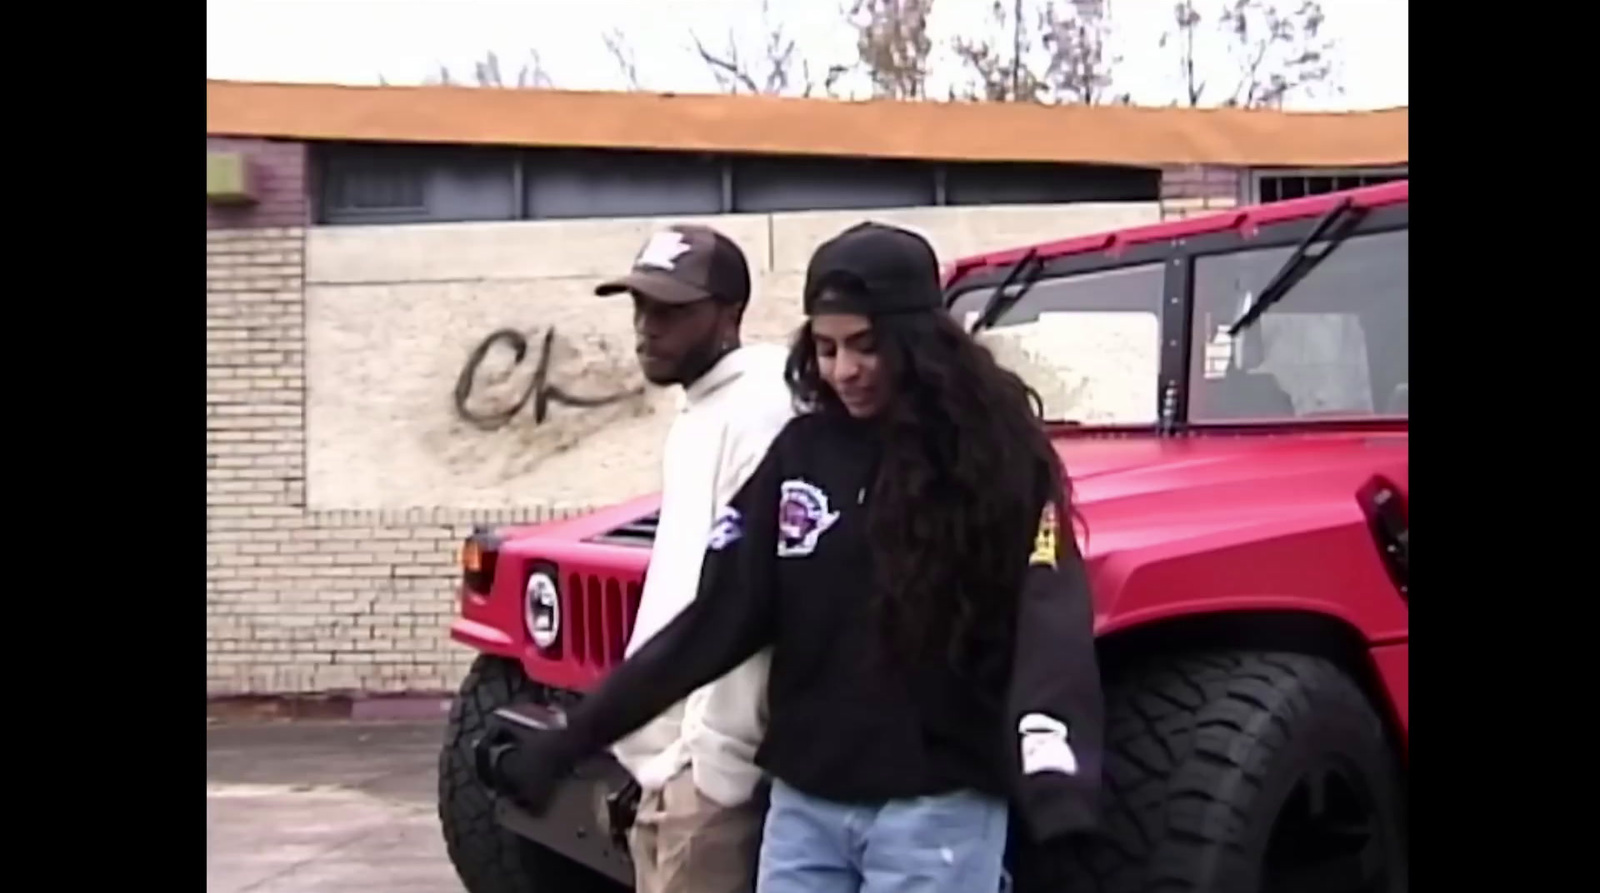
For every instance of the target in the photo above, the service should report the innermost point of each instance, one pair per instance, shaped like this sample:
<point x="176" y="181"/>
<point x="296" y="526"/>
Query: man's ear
<point x="733" y="317"/>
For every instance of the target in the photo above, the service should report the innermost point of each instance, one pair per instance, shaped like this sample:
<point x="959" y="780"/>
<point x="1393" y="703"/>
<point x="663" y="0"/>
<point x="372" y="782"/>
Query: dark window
<point x="413" y="184"/>
<point x="1016" y="184"/>
<point x="378" y="187"/>
<point x="1335" y="345"/>
<point x="814" y="184"/>
<point x="1088" y="343"/>
<point x="584" y="183"/>
<point x="365" y="183"/>
<point x="1273" y="186"/>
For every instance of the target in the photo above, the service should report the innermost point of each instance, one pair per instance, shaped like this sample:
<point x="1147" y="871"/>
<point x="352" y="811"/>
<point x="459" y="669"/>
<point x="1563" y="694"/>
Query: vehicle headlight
<point x="541" y="609"/>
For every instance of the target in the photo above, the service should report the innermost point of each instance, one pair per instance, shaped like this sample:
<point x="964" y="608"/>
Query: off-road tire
<point x="1202" y="751"/>
<point x="487" y="858"/>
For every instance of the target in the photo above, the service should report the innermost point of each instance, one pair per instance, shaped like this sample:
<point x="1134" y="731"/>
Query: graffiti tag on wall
<point x="539" y="393"/>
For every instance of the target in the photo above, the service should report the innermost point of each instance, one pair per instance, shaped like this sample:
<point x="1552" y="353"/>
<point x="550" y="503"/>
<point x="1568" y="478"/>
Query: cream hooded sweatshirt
<point x="728" y="418"/>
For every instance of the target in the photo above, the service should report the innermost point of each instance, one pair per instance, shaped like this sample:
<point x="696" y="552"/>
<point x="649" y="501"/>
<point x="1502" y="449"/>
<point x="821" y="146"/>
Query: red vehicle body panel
<point x="1216" y="520"/>
<point x="1230" y="523"/>
<point x="1171" y="527"/>
<point x="492" y="622"/>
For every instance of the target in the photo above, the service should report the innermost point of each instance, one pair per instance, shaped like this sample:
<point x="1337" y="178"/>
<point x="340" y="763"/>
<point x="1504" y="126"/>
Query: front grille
<point x="600" y="612"/>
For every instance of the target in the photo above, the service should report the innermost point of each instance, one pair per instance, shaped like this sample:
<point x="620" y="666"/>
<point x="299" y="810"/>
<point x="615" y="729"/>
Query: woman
<point x="932" y="642"/>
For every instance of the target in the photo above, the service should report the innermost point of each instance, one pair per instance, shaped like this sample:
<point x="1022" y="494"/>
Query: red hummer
<point x="1230" y="396"/>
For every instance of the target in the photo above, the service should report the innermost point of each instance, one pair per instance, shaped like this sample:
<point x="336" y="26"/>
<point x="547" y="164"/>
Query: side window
<point x="1088" y="343"/>
<point x="406" y="184"/>
<point x="1335" y="345"/>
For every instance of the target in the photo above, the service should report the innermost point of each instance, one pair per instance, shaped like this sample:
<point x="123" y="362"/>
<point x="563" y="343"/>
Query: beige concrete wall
<point x="1196" y="206"/>
<point x="394" y="312"/>
<point x="300" y="600"/>
<point x="339" y="481"/>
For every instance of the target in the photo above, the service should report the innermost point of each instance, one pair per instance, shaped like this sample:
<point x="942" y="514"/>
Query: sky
<point x="405" y="41"/>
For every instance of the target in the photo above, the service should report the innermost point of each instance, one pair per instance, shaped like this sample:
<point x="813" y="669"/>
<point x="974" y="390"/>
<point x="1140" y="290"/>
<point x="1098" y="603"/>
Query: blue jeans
<point x="953" y="843"/>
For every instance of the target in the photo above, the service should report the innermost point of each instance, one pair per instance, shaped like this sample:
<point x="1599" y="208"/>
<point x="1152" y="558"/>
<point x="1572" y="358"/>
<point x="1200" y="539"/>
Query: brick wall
<point x="300" y="601"/>
<point x="1193" y="189"/>
<point x="279" y="169"/>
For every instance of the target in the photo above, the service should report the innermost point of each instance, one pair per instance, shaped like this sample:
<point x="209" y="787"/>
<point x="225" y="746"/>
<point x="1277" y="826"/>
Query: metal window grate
<point x="375" y="189"/>
<point x="1280" y="185"/>
<point x="366" y="184"/>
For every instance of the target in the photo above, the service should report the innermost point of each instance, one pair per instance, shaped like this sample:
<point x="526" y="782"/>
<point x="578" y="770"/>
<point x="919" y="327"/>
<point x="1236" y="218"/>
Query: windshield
<point x="1089" y="343"/>
<point x="1335" y="346"/>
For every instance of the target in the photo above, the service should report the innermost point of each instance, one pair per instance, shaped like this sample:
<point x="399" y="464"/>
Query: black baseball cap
<point x="684" y="263"/>
<point x="882" y="268"/>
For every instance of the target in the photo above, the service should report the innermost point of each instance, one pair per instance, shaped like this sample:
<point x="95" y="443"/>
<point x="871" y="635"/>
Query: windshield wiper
<point x="1000" y="302"/>
<point x="1341" y="220"/>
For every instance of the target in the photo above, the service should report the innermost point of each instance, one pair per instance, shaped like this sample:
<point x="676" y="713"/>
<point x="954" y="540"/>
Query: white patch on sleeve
<point x="1044" y="745"/>
<point x="728" y="530"/>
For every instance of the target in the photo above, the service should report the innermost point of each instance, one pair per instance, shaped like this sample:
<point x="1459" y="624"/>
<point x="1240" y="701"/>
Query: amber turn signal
<point x="479" y="554"/>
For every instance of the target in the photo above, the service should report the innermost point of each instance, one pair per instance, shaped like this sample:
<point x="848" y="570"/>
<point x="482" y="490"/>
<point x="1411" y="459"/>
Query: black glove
<point x="522" y="764"/>
<point x="529" y="772"/>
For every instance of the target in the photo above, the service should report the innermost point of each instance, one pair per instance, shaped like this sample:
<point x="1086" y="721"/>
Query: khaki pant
<point x="683" y="842"/>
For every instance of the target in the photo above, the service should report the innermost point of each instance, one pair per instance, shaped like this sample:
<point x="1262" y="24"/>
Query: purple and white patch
<point x="728" y="530"/>
<point x="803" y="517"/>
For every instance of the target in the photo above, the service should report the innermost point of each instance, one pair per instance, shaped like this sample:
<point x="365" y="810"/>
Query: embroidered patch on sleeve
<point x="1044" y="541"/>
<point x="1044" y="745"/>
<point x="803" y="517"/>
<point x="728" y="530"/>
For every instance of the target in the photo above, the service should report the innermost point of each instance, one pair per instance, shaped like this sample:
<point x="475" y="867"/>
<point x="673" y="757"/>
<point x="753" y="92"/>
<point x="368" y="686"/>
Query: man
<point x="698" y="827"/>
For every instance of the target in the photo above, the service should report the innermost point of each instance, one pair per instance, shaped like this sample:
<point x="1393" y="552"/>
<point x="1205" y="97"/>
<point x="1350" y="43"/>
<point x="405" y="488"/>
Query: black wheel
<point x="487" y="858"/>
<point x="1239" y="772"/>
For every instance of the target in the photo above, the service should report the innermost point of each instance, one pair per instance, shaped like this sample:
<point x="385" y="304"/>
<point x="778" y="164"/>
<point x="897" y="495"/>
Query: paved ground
<point x="316" y="807"/>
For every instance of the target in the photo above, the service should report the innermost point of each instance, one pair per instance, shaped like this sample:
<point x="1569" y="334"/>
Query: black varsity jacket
<point x="788" y="565"/>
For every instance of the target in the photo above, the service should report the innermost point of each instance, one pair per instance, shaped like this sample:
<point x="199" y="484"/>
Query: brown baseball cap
<point x="684" y="263"/>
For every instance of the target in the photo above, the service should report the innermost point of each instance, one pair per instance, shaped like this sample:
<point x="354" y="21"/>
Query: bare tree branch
<point x="1071" y="36"/>
<point x="533" y="74"/>
<point x="780" y="70"/>
<point x="997" y="75"/>
<point x="439" y="78"/>
<point x="1277" y="52"/>
<point x="1080" y="65"/>
<point x="486" y="72"/>
<point x="1186" y="22"/>
<point x="730" y="75"/>
<point x="621" y="51"/>
<point x="892" y="45"/>
<point x="780" y="57"/>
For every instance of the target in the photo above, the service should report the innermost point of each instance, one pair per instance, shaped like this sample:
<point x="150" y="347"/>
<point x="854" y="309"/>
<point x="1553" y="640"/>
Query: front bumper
<point x="577" y="823"/>
<point x="586" y="811"/>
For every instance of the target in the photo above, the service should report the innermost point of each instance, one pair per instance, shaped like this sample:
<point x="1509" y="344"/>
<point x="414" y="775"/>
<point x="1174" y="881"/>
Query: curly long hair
<point x="966" y="466"/>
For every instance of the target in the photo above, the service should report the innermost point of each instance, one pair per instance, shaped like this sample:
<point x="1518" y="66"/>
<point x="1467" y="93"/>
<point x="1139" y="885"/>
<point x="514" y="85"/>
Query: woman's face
<point x="847" y="357"/>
